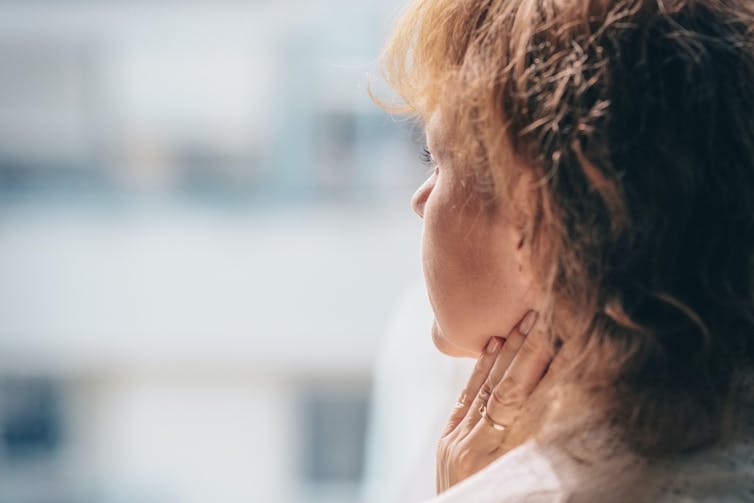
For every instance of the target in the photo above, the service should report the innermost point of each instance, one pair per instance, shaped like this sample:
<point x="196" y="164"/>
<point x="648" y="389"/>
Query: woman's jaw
<point x="447" y="347"/>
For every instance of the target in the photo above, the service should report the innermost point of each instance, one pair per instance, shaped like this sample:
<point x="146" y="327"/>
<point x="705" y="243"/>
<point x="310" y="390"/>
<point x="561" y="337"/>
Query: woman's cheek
<point x="455" y="332"/>
<point x="436" y="281"/>
<point x="444" y="275"/>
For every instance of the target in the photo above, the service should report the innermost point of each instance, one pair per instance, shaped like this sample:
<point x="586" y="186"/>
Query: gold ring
<point x="486" y="417"/>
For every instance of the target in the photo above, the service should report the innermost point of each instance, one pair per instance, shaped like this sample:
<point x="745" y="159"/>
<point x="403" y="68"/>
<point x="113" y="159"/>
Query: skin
<point x="475" y="262"/>
<point x="506" y="375"/>
<point x="480" y="284"/>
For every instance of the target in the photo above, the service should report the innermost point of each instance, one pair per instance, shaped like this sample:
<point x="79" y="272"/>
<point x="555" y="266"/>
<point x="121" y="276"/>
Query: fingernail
<point x="528" y="322"/>
<point x="493" y="345"/>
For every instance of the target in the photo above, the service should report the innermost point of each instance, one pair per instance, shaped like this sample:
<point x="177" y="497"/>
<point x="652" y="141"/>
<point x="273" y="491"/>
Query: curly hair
<point x="637" y="119"/>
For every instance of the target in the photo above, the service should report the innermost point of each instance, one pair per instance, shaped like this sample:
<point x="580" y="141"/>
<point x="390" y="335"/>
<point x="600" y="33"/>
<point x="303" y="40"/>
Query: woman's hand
<point x="505" y="375"/>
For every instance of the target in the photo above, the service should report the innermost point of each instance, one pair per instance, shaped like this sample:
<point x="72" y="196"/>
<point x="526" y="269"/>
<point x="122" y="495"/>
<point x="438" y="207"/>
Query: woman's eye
<point x="428" y="161"/>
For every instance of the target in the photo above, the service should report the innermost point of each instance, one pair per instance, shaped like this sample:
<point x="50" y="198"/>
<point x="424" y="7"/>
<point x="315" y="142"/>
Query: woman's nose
<point x="420" y="197"/>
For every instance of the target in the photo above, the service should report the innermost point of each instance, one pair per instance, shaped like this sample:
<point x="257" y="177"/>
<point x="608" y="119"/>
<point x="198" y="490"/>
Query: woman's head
<point x="617" y="139"/>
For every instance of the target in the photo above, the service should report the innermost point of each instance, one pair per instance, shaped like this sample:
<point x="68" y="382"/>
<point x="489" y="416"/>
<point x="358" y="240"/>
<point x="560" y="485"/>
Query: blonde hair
<point x="637" y="119"/>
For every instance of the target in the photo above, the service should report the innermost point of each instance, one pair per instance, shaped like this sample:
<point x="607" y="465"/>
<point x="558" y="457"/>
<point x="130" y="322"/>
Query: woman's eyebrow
<point x="427" y="143"/>
<point x="431" y="147"/>
<point x="434" y="134"/>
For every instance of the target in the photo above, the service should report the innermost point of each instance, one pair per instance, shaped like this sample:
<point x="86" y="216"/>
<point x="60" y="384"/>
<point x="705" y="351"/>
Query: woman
<point x="589" y="230"/>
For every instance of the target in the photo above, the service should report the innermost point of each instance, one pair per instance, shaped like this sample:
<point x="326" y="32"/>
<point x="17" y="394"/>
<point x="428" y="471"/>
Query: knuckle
<point x="529" y="349"/>
<point x="484" y="392"/>
<point x="457" y="411"/>
<point x="446" y="445"/>
<point x="455" y="418"/>
<point x="507" y="392"/>
<point x="464" y="458"/>
<point x="499" y="395"/>
<point x="463" y="400"/>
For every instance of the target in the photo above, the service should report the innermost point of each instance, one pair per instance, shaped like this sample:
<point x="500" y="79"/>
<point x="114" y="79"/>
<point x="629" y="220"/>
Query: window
<point x="29" y="418"/>
<point x="334" y="430"/>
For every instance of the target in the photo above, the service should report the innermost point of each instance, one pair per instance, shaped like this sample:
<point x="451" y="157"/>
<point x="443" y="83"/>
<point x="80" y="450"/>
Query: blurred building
<point x="204" y="224"/>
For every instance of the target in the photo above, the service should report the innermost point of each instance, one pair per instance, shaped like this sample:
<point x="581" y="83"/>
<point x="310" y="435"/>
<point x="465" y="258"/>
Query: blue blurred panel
<point x="29" y="418"/>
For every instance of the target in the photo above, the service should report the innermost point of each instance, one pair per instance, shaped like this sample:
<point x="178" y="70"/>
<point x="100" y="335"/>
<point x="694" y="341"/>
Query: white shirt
<point x="528" y="474"/>
<point x="535" y="473"/>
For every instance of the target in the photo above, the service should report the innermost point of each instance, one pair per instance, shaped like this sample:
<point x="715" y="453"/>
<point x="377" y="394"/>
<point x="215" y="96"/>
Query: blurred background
<point x="204" y="229"/>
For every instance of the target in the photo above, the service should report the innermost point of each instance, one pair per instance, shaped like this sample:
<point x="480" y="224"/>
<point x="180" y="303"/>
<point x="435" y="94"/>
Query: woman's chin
<point x="448" y="348"/>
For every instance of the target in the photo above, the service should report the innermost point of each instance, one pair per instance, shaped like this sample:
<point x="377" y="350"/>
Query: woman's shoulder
<point x="720" y="472"/>
<point x="537" y="473"/>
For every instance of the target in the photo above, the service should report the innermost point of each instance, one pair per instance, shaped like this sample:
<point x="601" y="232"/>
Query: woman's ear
<point x="522" y="255"/>
<point x="523" y="201"/>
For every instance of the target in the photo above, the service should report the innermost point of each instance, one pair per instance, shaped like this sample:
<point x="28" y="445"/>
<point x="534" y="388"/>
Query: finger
<point x="525" y="372"/>
<point x="511" y="346"/>
<point x="478" y="376"/>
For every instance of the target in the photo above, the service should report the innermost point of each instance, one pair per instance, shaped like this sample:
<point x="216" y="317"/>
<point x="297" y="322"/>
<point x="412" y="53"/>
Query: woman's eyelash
<point x="428" y="161"/>
<point x="426" y="157"/>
